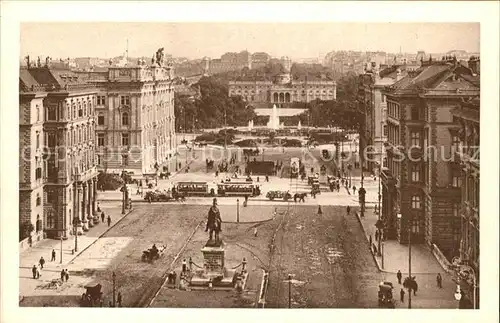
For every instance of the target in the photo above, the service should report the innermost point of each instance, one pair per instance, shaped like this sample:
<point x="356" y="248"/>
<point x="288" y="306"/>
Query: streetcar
<point x="238" y="189"/>
<point x="196" y="188"/>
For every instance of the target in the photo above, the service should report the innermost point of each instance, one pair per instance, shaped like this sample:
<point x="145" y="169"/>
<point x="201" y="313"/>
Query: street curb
<point x="252" y="222"/>
<point x="366" y="237"/>
<point x="99" y="237"/>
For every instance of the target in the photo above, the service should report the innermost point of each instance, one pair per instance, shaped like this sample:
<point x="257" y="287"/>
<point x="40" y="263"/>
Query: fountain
<point x="250" y="125"/>
<point x="274" y="119"/>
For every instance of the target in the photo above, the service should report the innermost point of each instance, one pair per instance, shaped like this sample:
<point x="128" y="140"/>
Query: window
<point x="80" y="111"/>
<point x="125" y="119"/>
<point x="37" y="140"/>
<point x="455" y="209"/>
<point x="100" y="139"/>
<point x="38" y="226"/>
<point x="74" y="111"/>
<point x="414" y="113"/>
<point x="125" y="138"/>
<point x="125" y="100"/>
<point x="415" y="226"/>
<point x="37" y="113"/>
<point x="426" y="138"/>
<point x="385" y="130"/>
<point x="415" y="202"/>
<point x="415" y="138"/>
<point x="38" y="200"/>
<point x="100" y="120"/>
<point x="38" y="173"/>
<point x="101" y="100"/>
<point x="415" y="172"/>
<point x="99" y="160"/>
<point x="50" y="223"/>
<point x="70" y="196"/>
<point x="51" y="113"/>
<point x="456" y="180"/>
<point x="51" y="196"/>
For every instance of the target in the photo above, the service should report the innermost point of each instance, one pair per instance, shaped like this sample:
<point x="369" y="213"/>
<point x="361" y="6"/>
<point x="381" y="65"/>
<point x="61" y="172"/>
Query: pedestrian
<point x="376" y="236"/>
<point x="399" y="275"/>
<point x="102" y="217"/>
<point x="34" y="271"/>
<point x="402" y="295"/>
<point x="439" y="280"/>
<point x="348" y="210"/>
<point x="66" y="274"/>
<point x="38" y="271"/>
<point x="53" y="255"/>
<point x="109" y="220"/>
<point x="63" y="275"/>
<point x="184" y="266"/>
<point x="42" y="262"/>
<point x="119" y="299"/>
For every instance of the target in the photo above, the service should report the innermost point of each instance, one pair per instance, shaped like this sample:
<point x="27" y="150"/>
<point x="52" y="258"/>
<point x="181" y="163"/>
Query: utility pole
<point x="289" y="291"/>
<point x="409" y="260"/>
<point x="225" y="128"/>
<point x="114" y="289"/>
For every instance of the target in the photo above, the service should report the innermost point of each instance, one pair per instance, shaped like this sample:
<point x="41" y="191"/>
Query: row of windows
<point x="125" y="119"/>
<point x="80" y="134"/>
<point x="393" y="110"/>
<point x="125" y="139"/>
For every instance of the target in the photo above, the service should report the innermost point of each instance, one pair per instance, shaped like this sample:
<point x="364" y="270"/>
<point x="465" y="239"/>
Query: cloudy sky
<point x="195" y="40"/>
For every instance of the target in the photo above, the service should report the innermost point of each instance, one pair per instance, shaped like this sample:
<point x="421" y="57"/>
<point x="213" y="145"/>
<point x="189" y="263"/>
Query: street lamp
<point x="458" y="293"/>
<point x="114" y="299"/>
<point x="467" y="271"/>
<point x="409" y="256"/>
<point x="124" y="189"/>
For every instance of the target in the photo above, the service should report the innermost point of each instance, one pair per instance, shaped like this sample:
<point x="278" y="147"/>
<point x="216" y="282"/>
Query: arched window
<point x="38" y="223"/>
<point x="125" y="121"/>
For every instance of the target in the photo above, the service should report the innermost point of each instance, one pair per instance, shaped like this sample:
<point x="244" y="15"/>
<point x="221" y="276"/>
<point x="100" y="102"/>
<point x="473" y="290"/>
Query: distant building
<point x="283" y="91"/>
<point x="260" y="59"/>
<point x="426" y="189"/>
<point x="228" y="62"/>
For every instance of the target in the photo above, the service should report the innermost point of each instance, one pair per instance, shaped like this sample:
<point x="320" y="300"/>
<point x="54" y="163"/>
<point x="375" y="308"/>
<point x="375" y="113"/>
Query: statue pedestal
<point x="213" y="253"/>
<point x="214" y="275"/>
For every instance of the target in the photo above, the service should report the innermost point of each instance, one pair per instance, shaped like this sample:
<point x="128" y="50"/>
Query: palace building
<point x="420" y="183"/>
<point x="283" y="91"/>
<point x="57" y="169"/>
<point x="135" y="118"/>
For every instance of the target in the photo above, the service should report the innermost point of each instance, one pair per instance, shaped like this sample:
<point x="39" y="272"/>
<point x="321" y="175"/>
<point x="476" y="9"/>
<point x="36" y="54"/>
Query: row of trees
<point x="212" y="109"/>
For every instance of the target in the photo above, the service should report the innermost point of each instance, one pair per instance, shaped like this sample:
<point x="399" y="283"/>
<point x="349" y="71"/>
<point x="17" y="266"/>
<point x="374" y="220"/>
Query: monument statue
<point x="159" y="56"/>
<point x="47" y="61"/>
<point x="28" y="63"/>
<point x="214" y="222"/>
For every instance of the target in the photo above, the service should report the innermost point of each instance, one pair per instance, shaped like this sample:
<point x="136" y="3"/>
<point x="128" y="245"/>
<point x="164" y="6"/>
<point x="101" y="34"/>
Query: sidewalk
<point x="396" y="254"/>
<point x="52" y="269"/>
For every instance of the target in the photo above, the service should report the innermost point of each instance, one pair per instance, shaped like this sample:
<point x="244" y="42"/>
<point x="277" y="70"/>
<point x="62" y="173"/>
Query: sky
<point x="196" y="40"/>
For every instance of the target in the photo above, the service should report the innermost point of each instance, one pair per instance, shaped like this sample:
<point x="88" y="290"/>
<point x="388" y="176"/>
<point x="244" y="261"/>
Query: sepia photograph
<point x="249" y="165"/>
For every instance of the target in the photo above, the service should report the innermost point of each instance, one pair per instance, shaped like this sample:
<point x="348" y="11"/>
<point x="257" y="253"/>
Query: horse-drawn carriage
<point x="285" y="195"/>
<point x="158" y="196"/>
<point x="209" y="163"/>
<point x="385" y="299"/>
<point x="153" y="253"/>
<point x="92" y="295"/>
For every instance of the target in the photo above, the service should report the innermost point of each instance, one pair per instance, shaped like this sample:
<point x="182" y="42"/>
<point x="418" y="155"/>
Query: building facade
<point x="57" y="169"/>
<point x="468" y="159"/>
<point x="420" y="183"/>
<point x="135" y="119"/>
<point x="283" y="91"/>
<point x="372" y="104"/>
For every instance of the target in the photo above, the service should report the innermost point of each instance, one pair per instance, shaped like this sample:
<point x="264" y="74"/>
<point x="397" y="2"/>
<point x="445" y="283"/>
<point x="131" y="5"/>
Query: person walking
<point x="66" y="274"/>
<point x="53" y="255"/>
<point x="41" y="262"/>
<point x="354" y="190"/>
<point x="399" y="275"/>
<point x="63" y="275"/>
<point x="184" y="266"/>
<point x="119" y="299"/>
<point x="109" y="221"/>
<point x="402" y="295"/>
<point x="439" y="280"/>
<point x="34" y="271"/>
<point x="102" y="217"/>
<point x="348" y="210"/>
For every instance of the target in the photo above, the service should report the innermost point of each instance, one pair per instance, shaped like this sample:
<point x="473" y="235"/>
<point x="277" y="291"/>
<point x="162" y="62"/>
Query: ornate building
<point x="135" y="118"/>
<point x="467" y="159"/>
<point x="420" y="183"/>
<point x="283" y="91"/>
<point x="57" y="171"/>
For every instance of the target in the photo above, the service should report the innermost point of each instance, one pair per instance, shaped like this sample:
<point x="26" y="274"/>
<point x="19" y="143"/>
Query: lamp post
<point x="75" y="225"/>
<point x="467" y="271"/>
<point x="409" y="255"/>
<point x="60" y="260"/>
<point x="114" y="290"/>
<point x="458" y="295"/>
<point x="124" y="189"/>
<point x="289" y="291"/>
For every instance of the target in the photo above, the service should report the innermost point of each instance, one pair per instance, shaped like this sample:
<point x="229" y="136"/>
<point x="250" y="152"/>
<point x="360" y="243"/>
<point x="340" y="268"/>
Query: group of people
<point x="36" y="270"/>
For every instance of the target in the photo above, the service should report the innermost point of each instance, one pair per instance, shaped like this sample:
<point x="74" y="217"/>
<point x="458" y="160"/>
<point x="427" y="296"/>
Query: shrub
<point x="109" y="182"/>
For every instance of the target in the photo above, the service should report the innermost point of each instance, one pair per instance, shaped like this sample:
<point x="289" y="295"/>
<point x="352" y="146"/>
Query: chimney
<point x="474" y="65"/>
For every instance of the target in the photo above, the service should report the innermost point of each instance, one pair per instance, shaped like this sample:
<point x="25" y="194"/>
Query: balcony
<point x="85" y="175"/>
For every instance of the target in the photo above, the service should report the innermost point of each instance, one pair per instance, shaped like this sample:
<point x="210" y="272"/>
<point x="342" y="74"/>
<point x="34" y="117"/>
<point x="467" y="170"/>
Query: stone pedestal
<point x="213" y="255"/>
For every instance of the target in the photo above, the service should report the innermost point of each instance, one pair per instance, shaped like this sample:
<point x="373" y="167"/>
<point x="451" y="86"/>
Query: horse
<point x="300" y="197"/>
<point x="179" y="197"/>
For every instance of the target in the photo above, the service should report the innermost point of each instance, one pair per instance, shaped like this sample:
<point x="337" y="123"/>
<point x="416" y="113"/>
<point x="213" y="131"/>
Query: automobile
<point x="158" y="196"/>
